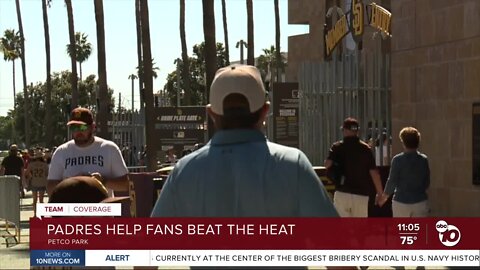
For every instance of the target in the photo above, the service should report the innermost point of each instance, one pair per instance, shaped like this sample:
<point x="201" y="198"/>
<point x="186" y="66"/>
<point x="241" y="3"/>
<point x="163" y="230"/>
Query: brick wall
<point x="308" y="47"/>
<point x="435" y="80"/>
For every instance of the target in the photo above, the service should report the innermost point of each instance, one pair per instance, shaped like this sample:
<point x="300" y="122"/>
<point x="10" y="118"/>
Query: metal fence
<point x="128" y="132"/>
<point x="10" y="208"/>
<point x="357" y="85"/>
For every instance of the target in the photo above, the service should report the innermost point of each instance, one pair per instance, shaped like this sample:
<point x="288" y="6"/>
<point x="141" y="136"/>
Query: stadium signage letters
<point x="353" y="22"/>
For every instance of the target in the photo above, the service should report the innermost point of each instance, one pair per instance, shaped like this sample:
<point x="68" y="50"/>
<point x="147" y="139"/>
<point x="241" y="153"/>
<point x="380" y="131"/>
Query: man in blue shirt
<point x="239" y="173"/>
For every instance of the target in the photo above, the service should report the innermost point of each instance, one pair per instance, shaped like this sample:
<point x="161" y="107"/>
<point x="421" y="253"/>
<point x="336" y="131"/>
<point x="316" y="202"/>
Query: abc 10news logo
<point x="449" y="235"/>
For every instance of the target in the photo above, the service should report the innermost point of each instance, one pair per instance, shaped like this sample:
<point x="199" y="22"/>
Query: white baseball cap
<point x="237" y="79"/>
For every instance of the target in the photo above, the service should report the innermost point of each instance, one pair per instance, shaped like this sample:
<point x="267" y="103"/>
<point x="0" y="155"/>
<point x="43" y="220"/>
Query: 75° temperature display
<point x="408" y="232"/>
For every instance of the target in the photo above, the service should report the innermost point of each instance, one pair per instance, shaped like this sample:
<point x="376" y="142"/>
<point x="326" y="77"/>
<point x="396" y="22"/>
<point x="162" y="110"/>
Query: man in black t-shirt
<point x="13" y="165"/>
<point x="360" y="177"/>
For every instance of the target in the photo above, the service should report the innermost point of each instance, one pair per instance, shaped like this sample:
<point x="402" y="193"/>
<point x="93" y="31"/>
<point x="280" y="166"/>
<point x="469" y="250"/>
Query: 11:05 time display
<point x="409" y="227"/>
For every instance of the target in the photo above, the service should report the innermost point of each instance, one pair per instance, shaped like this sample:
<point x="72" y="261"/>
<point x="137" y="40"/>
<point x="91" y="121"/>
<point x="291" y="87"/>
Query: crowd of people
<point x="31" y="166"/>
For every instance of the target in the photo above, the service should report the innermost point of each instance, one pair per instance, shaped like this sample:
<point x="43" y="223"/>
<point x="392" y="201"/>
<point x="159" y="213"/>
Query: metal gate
<point x="128" y="133"/>
<point x="357" y="85"/>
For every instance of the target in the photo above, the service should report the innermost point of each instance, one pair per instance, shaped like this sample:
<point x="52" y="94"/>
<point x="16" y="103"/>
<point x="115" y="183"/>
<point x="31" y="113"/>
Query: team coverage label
<point x="79" y="209"/>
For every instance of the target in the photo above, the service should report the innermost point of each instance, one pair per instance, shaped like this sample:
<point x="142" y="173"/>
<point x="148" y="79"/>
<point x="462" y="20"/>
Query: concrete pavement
<point x="18" y="256"/>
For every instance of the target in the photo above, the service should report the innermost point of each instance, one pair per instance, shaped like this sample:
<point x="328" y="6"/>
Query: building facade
<point x="434" y="73"/>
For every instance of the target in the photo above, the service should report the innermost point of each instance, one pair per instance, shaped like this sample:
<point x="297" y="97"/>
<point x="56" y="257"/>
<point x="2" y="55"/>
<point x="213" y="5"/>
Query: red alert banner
<point x="102" y="233"/>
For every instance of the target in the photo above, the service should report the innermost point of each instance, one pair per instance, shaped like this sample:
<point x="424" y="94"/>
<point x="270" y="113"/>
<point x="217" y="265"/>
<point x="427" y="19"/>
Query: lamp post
<point x="133" y="77"/>
<point x="203" y="81"/>
<point x="69" y="108"/>
<point x="178" y="82"/>
<point x="241" y="43"/>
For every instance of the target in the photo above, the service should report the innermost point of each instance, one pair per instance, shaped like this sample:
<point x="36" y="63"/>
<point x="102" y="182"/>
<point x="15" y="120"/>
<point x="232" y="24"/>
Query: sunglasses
<point x="81" y="128"/>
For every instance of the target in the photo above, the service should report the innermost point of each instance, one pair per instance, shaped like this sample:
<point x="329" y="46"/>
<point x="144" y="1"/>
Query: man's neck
<point x="88" y="143"/>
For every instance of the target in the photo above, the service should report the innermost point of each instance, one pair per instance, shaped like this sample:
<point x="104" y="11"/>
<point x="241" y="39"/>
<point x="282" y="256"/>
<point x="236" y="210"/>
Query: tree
<point x="250" y="34"/>
<point x="73" y="57"/>
<point x="197" y="74"/>
<point x="148" y="80"/>
<point x="24" y="72"/>
<point x="138" y="24"/>
<point x="225" y="31"/>
<point x="103" y="115"/>
<point x="210" y="43"/>
<point x="83" y="49"/>
<point x="154" y="69"/>
<point x="6" y="127"/>
<point x="48" y="97"/>
<point x="10" y="47"/>
<point x="185" y="67"/>
<point x="267" y="61"/>
<point x="199" y="51"/>
<point x="60" y="107"/>
<point x="278" y="54"/>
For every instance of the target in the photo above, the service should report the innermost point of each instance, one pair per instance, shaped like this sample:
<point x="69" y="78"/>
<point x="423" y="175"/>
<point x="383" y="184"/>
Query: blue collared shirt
<point x="409" y="177"/>
<point x="240" y="174"/>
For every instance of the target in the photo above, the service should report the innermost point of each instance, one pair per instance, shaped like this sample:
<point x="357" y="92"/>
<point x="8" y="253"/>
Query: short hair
<point x="350" y="123"/>
<point x="79" y="189"/>
<point x="236" y="113"/>
<point x="410" y="137"/>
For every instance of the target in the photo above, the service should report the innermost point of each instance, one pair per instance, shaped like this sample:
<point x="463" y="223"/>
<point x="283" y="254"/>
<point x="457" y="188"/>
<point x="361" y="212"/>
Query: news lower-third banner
<point x="113" y="241"/>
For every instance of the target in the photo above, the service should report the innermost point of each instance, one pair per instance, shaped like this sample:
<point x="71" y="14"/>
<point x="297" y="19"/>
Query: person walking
<point x="358" y="178"/>
<point x="87" y="154"/>
<point x="238" y="173"/>
<point x="409" y="178"/>
<point x="170" y="157"/>
<point x="13" y="165"/>
<point x="382" y="150"/>
<point x="36" y="173"/>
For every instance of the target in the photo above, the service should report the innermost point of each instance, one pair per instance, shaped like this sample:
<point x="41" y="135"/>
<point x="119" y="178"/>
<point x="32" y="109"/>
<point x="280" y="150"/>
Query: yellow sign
<point x="381" y="19"/>
<point x="357" y="20"/>
<point x="336" y="34"/>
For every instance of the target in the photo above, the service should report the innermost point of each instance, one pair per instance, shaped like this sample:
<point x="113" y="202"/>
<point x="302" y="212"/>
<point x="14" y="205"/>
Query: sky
<point x="120" y="36"/>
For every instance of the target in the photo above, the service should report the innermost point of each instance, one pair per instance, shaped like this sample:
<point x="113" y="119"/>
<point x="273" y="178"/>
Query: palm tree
<point x="83" y="49"/>
<point x="267" y="61"/>
<point x="148" y="80"/>
<point x="103" y="103"/>
<point x="24" y="74"/>
<point x="73" y="57"/>
<point x="210" y="51"/>
<point x="278" y="54"/>
<point x="210" y="43"/>
<point x="139" y="50"/>
<point x="185" y="67"/>
<point x="225" y="31"/>
<point x="154" y="70"/>
<point x="250" y="42"/>
<point x="10" y="47"/>
<point x="48" y="100"/>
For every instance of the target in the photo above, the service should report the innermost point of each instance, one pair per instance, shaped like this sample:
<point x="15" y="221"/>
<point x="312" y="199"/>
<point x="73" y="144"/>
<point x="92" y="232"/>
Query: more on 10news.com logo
<point x="449" y="235"/>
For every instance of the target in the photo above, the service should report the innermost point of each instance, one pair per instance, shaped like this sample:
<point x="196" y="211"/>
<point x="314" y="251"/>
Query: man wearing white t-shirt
<point x="87" y="154"/>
